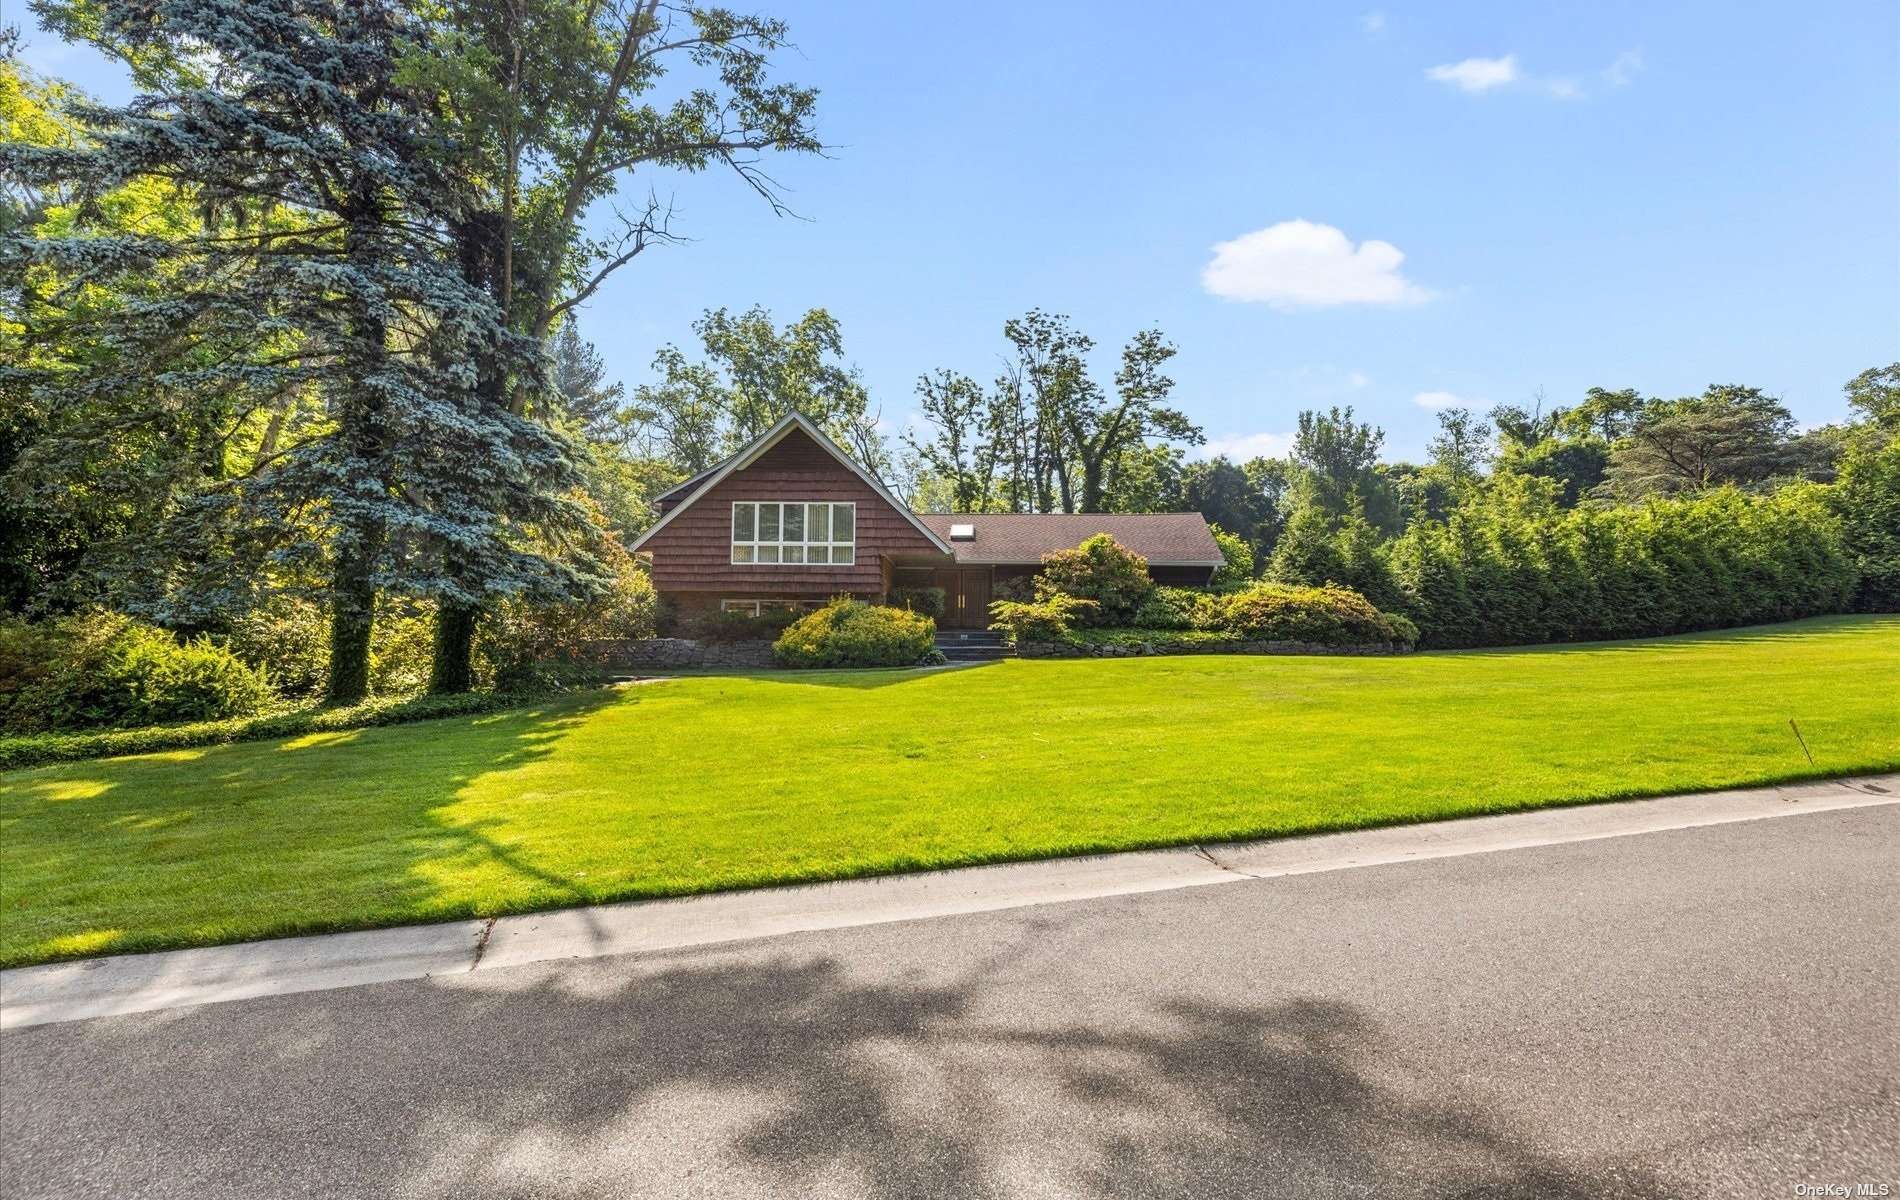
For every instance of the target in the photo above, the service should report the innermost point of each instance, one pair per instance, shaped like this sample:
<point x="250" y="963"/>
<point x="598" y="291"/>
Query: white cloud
<point x="1373" y="22"/>
<point x="1302" y="264"/>
<point x="1242" y="446"/>
<point x="1476" y="74"/>
<point x="1357" y="379"/>
<point x="1438" y="400"/>
<point x="1483" y="74"/>
<point x="1620" y="72"/>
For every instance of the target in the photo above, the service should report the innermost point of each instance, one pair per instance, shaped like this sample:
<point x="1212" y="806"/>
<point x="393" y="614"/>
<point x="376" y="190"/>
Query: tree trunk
<point x="452" y="667"/>
<point x="352" y="614"/>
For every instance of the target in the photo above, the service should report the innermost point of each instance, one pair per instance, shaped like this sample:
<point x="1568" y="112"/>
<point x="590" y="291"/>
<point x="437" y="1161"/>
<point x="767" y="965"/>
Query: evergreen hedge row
<point x="1514" y="569"/>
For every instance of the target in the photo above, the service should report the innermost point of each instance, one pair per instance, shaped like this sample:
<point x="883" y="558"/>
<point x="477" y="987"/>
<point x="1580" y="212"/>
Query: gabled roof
<point x="1164" y="539"/>
<point x="748" y="454"/>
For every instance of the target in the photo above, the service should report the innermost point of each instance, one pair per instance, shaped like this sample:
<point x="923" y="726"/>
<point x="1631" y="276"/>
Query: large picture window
<point x="799" y="533"/>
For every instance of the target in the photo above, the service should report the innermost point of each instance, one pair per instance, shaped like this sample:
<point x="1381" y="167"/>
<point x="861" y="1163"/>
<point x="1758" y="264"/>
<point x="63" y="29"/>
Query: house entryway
<point x="966" y="597"/>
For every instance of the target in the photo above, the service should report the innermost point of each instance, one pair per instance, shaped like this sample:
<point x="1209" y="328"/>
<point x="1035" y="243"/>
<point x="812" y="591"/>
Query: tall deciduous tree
<point x="1727" y="435"/>
<point x="956" y="453"/>
<point x="553" y="102"/>
<point x="753" y="374"/>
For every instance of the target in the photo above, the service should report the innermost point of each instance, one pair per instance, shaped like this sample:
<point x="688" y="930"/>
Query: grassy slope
<point x="717" y="782"/>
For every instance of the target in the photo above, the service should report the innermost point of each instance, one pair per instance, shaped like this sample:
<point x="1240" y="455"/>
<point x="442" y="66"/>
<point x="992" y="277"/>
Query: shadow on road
<point x="791" y="1076"/>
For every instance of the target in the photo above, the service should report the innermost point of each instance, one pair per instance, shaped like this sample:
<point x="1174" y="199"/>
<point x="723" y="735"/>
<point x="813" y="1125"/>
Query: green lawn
<point x="710" y="782"/>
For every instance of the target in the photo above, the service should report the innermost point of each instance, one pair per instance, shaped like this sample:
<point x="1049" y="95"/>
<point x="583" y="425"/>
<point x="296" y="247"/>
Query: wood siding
<point x="694" y="552"/>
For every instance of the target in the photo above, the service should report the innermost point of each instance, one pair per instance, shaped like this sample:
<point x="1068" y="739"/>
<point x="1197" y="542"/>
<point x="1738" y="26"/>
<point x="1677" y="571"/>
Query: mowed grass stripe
<point x="712" y="782"/>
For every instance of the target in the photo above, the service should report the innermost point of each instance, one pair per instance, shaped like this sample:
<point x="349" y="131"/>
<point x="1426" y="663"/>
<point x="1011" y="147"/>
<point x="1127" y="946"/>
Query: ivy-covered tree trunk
<point x="352" y="618"/>
<point x="452" y="668"/>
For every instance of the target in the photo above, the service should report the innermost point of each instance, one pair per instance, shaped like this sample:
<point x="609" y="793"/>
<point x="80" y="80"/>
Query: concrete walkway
<point x="147" y="982"/>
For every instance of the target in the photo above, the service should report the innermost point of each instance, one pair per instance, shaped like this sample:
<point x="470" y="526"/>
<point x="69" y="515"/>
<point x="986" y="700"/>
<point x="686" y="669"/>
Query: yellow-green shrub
<point x="849" y="633"/>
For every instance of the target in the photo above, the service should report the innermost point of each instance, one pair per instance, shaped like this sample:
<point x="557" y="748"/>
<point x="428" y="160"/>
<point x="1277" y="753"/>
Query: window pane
<point x="794" y="530"/>
<point x="768" y="523"/>
<point x="741" y="553"/>
<point x="794" y="554"/>
<point x="841" y="554"/>
<point x="818" y="523"/>
<point x="768" y="553"/>
<point x="742" y="522"/>
<point x="841" y="523"/>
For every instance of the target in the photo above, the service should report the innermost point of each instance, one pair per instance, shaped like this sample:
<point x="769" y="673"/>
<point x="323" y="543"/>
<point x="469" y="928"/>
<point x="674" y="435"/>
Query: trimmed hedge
<point x="34" y="749"/>
<point x="850" y="633"/>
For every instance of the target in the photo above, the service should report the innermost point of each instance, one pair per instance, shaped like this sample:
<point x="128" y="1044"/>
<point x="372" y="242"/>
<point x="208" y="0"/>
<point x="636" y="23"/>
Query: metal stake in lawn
<point x="1802" y="740"/>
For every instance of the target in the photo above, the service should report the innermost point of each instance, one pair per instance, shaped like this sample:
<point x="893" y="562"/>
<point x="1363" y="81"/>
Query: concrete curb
<point x="146" y="982"/>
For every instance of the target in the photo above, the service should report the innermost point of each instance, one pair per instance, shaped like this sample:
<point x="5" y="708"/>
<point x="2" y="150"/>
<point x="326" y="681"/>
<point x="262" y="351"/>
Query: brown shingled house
<point x="792" y="520"/>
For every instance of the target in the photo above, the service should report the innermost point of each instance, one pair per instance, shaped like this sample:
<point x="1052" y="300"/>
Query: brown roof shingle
<point x="1020" y="538"/>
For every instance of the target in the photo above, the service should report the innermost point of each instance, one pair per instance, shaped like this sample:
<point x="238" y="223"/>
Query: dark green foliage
<point x="34" y="749"/>
<point x="1018" y="589"/>
<point x="1513" y="568"/>
<point x="1101" y="570"/>
<point x="1324" y="616"/>
<point x="924" y="601"/>
<point x="849" y="633"/>
<point x="1179" y="608"/>
<point x="102" y="671"/>
<point x="717" y="626"/>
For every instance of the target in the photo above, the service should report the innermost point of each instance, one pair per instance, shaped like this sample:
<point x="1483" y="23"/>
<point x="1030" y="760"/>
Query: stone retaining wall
<point x="667" y="653"/>
<point x="1067" y="650"/>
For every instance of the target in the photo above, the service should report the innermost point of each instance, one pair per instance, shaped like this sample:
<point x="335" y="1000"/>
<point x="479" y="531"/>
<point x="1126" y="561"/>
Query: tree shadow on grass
<point x="792" y="1075"/>
<point x="299" y="834"/>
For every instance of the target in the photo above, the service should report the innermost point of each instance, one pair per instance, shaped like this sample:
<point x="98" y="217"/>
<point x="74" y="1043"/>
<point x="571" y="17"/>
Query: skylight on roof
<point x="963" y="533"/>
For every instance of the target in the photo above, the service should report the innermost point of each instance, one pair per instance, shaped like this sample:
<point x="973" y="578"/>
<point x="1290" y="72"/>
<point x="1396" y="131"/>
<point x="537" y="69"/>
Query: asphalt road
<point x="1704" y="1012"/>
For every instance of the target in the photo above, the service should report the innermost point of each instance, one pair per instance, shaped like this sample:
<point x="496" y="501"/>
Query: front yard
<point x="695" y="784"/>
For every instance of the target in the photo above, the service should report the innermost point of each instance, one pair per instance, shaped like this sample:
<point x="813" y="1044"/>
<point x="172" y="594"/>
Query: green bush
<point x="1102" y="570"/>
<point x="288" y="637"/>
<point x="1237" y="566"/>
<point x="850" y="633"/>
<point x="523" y="646"/>
<point x="1179" y="608"/>
<point x="1045" y="620"/>
<point x="34" y="749"/>
<point x="924" y="601"/>
<point x="1277" y="612"/>
<point x="1867" y="500"/>
<point x="103" y="670"/>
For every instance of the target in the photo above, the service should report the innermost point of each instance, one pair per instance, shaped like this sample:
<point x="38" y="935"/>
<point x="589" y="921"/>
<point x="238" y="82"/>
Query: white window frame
<point x="756" y="608"/>
<point x="755" y="547"/>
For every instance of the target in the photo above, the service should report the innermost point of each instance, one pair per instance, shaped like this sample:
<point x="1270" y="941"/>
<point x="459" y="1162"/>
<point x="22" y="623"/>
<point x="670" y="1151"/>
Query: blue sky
<point x="1415" y="203"/>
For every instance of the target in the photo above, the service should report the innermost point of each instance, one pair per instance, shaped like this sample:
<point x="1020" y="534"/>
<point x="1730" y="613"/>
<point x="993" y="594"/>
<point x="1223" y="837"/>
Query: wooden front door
<point x="966" y="597"/>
